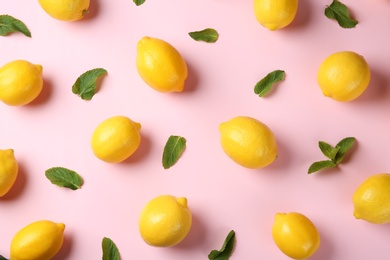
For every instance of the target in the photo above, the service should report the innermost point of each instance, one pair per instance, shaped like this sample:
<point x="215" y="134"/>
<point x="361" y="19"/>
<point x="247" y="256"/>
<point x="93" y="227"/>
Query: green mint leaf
<point x="3" y="258"/>
<point x="110" y="251"/>
<point x="315" y="167"/>
<point x="340" y="13"/>
<point x="9" y="24"/>
<point x="264" y="85"/>
<point x="138" y="2"/>
<point x="344" y="146"/>
<point x="207" y="35"/>
<point x="85" y="85"/>
<point x="172" y="150"/>
<point x="227" y="248"/>
<point x="328" y="150"/>
<point x="63" y="177"/>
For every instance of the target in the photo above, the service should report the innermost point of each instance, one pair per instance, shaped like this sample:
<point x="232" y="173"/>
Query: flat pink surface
<point x="55" y="130"/>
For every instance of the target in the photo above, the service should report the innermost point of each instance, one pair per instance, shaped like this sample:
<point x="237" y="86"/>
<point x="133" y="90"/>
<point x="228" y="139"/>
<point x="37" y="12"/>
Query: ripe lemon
<point x="295" y="235"/>
<point x="115" y="139"/>
<point x="372" y="199"/>
<point x="343" y="76"/>
<point x="248" y="142"/>
<point x="65" y="10"/>
<point x="8" y="170"/>
<point x="275" y="14"/>
<point x="165" y="221"/>
<point x="160" y="65"/>
<point x="40" y="240"/>
<point x="20" y="82"/>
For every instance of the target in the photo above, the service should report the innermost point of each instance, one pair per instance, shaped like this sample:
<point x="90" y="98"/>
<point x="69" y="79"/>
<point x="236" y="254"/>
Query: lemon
<point x="40" y="240"/>
<point x="165" y="221"/>
<point x="65" y="10"/>
<point x="160" y="65"/>
<point x="372" y="199"/>
<point x="343" y="76"/>
<point x="20" y="82"/>
<point x="275" y="14"/>
<point x="116" y="139"/>
<point x="295" y="235"/>
<point x="248" y="142"/>
<point x="8" y="170"/>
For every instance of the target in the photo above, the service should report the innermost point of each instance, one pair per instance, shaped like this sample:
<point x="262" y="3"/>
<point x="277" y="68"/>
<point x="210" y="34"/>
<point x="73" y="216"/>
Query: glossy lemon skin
<point x="65" y="10"/>
<point x="275" y="14"/>
<point x="20" y="82"/>
<point x="248" y="142"/>
<point x="344" y="76"/>
<point x="8" y="170"/>
<point x="165" y="221"/>
<point x="160" y="65"/>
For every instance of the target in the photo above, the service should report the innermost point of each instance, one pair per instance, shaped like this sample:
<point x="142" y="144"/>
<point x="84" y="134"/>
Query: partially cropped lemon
<point x="248" y="142"/>
<point x="40" y="240"/>
<point x="295" y="235"/>
<point x="20" y="82"/>
<point x="344" y="76"/>
<point x="275" y="14"/>
<point x="160" y="65"/>
<point x="116" y="139"/>
<point x="165" y="221"/>
<point x="8" y="170"/>
<point x="371" y="199"/>
<point x="65" y="10"/>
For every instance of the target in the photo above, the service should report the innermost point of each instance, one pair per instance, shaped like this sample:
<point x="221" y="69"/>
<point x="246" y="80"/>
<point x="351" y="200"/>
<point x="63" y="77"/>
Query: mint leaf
<point x="207" y="35"/>
<point x="321" y="165"/>
<point x="85" y="85"/>
<point x="344" y="146"/>
<point x="3" y="258"/>
<point x="63" y="177"/>
<point x="172" y="150"/>
<point x="328" y="150"/>
<point x="264" y="85"/>
<point x="9" y="24"/>
<point x="110" y="251"/>
<point x="227" y="248"/>
<point x="340" y="13"/>
<point x="138" y="2"/>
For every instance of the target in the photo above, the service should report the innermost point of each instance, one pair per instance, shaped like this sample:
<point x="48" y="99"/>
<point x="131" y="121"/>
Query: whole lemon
<point x="295" y="235"/>
<point x="115" y="139"/>
<point x="248" y="142"/>
<point x="275" y="14"/>
<point x="40" y="240"/>
<point x="8" y="170"/>
<point x="160" y="65"/>
<point x="165" y="221"/>
<point x="371" y="199"/>
<point x="20" y="82"/>
<point x="65" y="10"/>
<point x="344" y="76"/>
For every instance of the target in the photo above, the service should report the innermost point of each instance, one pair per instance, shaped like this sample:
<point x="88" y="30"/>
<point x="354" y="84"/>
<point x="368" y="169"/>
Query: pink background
<point x="55" y="129"/>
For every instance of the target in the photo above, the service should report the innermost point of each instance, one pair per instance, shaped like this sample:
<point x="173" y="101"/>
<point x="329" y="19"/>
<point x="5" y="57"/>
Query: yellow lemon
<point x="343" y="76"/>
<point x="160" y="65"/>
<point x="20" y="82"/>
<point x="65" y="10"/>
<point x="40" y="240"/>
<point x="248" y="142"/>
<point x="275" y="14"/>
<point x="8" y="170"/>
<point x="372" y="199"/>
<point x="165" y="221"/>
<point x="295" y="235"/>
<point x="115" y="139"/>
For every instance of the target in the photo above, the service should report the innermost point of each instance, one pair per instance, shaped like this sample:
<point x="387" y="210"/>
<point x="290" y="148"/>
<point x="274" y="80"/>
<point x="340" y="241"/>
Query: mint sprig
<point x="339" y="12"/>
<point x="227" y="248"/>
<point x="335" y="154"/>
<point x="110" y="250"/>
<point x="9" y="24"/>
<point x="208" y="35"/>
<point x="265" y="84"/>
<point x="173" y="150"/>
<point x="63" y="177"/>
<point x="85" y="85"/>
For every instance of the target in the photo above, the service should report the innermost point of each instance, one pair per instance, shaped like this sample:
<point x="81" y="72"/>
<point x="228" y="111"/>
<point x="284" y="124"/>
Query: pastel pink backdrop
<point x="55" y="129"/>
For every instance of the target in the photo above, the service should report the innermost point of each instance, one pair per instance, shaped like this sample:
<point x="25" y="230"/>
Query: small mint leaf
<point x="321" y="165"/>
<point x="9" y="24"/>
<point x="338" y="11"/>
<point x="328" y="150"/>
<point x="208" y="35"/>
<point x="138" y="2"/>
<point x="227" y="248"/>
<point x="173" y="150"/>
<point x="85" y="85"/>
<point x="3" y="258"/>
<point x="110" y="250"/>
<point x="344" y="146"/>
<point x="265" y="84"/>
<point x="63" y="177"/>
